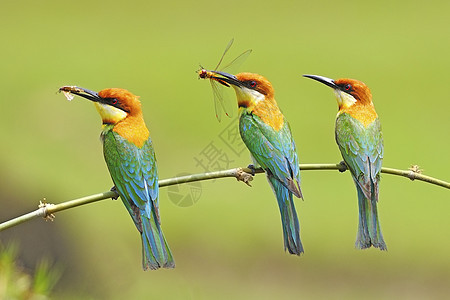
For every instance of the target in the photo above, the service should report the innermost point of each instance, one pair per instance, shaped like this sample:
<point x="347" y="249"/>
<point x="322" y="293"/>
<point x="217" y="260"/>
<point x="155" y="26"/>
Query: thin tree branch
<point x="415" y="173"/>
<point x="47" y="210"/>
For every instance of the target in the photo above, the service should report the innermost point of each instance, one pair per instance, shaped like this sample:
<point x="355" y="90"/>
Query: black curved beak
<point x="324" y="80"/>
<point x="226" y="79"/>
<point x="79" y="91"/>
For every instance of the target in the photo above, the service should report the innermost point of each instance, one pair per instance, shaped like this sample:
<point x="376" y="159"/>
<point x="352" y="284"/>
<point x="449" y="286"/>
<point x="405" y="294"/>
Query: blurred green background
<point x="229" y="243"/>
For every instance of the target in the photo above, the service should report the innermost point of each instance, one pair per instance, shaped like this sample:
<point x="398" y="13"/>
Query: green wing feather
<point x="133" y="171"/>
<point x="274" y="151"/>
<point x="362" y="150"/>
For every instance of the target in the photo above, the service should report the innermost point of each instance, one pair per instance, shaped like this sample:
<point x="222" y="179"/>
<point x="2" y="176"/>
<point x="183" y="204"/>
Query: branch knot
<point x="43" y="206"/>
<point x="413" y="171"/>
<point x="244" y="176"/>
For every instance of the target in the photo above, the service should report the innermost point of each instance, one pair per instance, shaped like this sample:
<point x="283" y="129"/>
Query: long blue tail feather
<point x="289" y="219"/>
<point x="155" y="250"/>
<point x="369" y="230"/>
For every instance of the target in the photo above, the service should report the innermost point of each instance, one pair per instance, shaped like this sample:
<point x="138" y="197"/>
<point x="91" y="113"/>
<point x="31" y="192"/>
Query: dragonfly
<point x="221" y="102"/>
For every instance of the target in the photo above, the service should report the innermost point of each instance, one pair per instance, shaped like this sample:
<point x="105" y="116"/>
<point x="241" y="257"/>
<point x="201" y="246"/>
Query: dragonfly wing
<point x="234" y="65"/>
<point x="218" y="98"/>
<point x="225" y="52"/>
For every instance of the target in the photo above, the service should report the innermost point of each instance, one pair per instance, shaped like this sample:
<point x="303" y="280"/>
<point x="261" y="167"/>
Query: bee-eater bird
<point x="131" y="161"/>
<point x="358" y="135"/>
<point x="267" y="135"/>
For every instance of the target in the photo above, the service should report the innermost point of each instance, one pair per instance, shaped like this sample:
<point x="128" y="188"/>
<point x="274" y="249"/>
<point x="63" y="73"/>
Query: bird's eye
<point x="348" y="87"/>
<point x="114" y="101"/>
<point x="252" y="84"/>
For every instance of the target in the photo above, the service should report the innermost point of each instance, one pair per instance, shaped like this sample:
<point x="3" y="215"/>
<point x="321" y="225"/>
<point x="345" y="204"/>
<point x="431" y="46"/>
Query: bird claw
<point x="342" y="167"/>
<point x="244" y="176"/>
<point x="252" y="168"/>
<point x="114" y="189"/>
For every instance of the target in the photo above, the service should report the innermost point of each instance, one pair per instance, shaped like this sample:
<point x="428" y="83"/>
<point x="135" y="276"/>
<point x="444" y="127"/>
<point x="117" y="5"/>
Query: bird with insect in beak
<point x="267" y="135"/>
<point x="358" y="135"/>
<point x="131" y="161"/>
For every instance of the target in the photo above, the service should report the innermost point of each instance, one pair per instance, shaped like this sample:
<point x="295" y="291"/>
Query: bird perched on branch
<point x="358" y="135"/>
<point x="131" y="161"/>
<point x="267" y="135"/>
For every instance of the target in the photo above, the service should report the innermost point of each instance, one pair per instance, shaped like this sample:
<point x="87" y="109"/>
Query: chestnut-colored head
<point x="353" y="97"/>
<point x="117" y="107"/>
<point x="255" y="94"/>
<point x="121" y="99"/>
<point x="355" y="88"/>
<point x="114" y="104"/>
<point x="250" y="88"/>
<point x="257" y="83"/>
<point x="348" y="91"/>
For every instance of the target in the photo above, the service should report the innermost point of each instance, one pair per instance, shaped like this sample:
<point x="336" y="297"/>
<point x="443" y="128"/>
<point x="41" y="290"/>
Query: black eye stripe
<point x="114" y="102"/>
<point x="111" y="101"/>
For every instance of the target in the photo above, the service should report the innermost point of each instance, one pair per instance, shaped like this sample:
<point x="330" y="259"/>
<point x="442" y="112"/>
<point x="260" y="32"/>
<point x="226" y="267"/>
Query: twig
<point x="241" y="174"/>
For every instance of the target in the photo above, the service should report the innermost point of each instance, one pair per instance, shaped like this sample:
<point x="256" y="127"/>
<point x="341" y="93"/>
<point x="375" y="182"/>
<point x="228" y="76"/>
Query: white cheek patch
<point x="257" y="96"/>
<point x="254" y="96"/>
<point x="110" y="113"/>
<point x="344" y="99"/>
